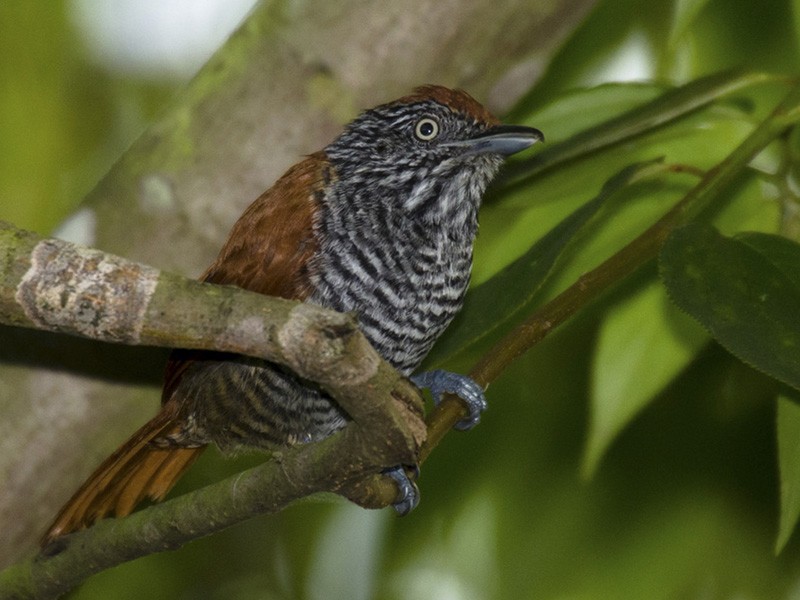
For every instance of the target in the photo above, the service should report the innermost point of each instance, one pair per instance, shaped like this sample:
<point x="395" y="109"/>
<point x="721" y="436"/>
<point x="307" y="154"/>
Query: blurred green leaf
<point x="642" y="345"/>
<point x="789" y="463"/>
<point x="495" y="302"/>
<point x="580" y="109"/>
<point x="670" y="106"/>
<point x="741" y="294"/>
<point x="524" y="213"/>
<point x="684" y="14"/>
<point x="645" y="341"/>
<point x="750" y="206"/>
<point x="796" y="15"/>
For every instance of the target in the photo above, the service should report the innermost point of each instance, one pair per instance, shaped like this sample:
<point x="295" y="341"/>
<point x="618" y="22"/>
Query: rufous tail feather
<point x="138" y="469"/>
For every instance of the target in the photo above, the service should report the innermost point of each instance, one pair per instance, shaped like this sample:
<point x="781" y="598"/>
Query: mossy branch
<point x="55" y="285"/>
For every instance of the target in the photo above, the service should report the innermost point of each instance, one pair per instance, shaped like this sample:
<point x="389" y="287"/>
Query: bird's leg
<point x="408" y="492"/>
<point x="441" y="382"/>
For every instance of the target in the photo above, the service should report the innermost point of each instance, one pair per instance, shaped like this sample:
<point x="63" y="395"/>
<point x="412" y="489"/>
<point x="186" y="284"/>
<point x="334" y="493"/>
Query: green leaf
<point x="668" y="107"/>
<point x="685" y="12"/>
<point x="780" y="251"/>
<point x="741" y="294"/>
<point x="643" y="343"/>
<point x="789" y="464"/>
<point x="511" y="224"/>
<point x="581" y="109"/>
<point x="505" y="295"/>
<point x="515" y="229"/>
<point x="796" y="15"/>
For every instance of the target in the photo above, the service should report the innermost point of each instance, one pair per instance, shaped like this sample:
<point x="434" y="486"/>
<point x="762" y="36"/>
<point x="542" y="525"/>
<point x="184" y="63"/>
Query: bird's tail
<point x="139" y="469"/>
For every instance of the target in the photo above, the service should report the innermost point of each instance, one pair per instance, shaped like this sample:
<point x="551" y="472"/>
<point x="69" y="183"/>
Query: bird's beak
<point x="501" y="139"/>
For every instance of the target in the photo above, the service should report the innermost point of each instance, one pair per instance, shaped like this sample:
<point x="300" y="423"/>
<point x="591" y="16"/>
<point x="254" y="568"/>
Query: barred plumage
<point x="381" y="223"/>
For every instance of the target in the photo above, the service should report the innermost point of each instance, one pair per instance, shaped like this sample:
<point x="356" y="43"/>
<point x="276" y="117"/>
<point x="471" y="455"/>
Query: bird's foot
<point x="440" y="382"/>
<point x="407" y="490"/>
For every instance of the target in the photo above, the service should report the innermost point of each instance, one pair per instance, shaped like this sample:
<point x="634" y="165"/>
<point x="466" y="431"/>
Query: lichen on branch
<point x="54" y="285"/>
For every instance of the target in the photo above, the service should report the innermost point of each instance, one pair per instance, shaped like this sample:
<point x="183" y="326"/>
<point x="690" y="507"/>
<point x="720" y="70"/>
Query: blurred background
<point x="81" y="80"/>
<point x="685" y="504"/>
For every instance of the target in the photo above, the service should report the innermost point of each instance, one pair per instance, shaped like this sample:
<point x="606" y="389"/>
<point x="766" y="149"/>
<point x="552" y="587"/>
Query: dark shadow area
<point x="115" y="362"/>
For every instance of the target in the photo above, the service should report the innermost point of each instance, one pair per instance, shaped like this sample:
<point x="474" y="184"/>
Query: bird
<point x="380" y="223"/>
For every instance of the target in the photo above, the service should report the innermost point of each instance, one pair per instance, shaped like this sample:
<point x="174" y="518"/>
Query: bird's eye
<point x="426" y="129"/>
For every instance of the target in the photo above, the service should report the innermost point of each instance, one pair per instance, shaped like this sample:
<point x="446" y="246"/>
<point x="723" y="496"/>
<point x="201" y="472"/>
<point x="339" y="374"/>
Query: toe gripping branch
<point x="444" y="382"/>
<point x="407" y="490"/>
<point x="439" y="382"/>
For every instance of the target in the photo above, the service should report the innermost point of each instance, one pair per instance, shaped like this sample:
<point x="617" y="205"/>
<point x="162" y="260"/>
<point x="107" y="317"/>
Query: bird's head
<point x="433" y="152"/>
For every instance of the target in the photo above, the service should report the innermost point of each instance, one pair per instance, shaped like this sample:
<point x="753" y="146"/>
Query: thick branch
<point x="58" y="286"/>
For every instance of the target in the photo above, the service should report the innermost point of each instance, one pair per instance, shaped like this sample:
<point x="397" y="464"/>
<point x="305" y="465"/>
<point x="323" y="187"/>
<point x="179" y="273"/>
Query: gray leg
<point x="408" y="490"/>
<point x="440" y="382"/>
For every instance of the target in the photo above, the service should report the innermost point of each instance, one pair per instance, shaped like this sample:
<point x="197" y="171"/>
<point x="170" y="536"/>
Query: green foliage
<point x="744" y="291"/>
<point x="789" y="461"/>
<point x="63" y="120"/>
<point x="642" y="346"/>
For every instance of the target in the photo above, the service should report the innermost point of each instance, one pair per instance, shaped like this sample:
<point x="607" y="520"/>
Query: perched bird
<point x="380" y="223"/>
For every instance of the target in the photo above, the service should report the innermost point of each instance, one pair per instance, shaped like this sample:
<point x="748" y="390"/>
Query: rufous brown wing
<point x="267" y="251"/>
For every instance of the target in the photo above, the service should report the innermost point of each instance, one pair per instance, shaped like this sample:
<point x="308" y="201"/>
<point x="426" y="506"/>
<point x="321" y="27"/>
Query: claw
<point x="440" y="382"/>
<point x="408" y="492"/>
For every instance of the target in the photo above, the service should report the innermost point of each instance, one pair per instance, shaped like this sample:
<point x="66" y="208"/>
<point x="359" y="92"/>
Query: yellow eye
<point x="426" y="129"/>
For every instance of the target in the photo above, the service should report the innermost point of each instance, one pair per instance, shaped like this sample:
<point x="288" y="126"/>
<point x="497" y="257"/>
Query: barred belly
<point x="246" y="402"/>
<point x="404" y="297"/>
<point x="404" y="294"/>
